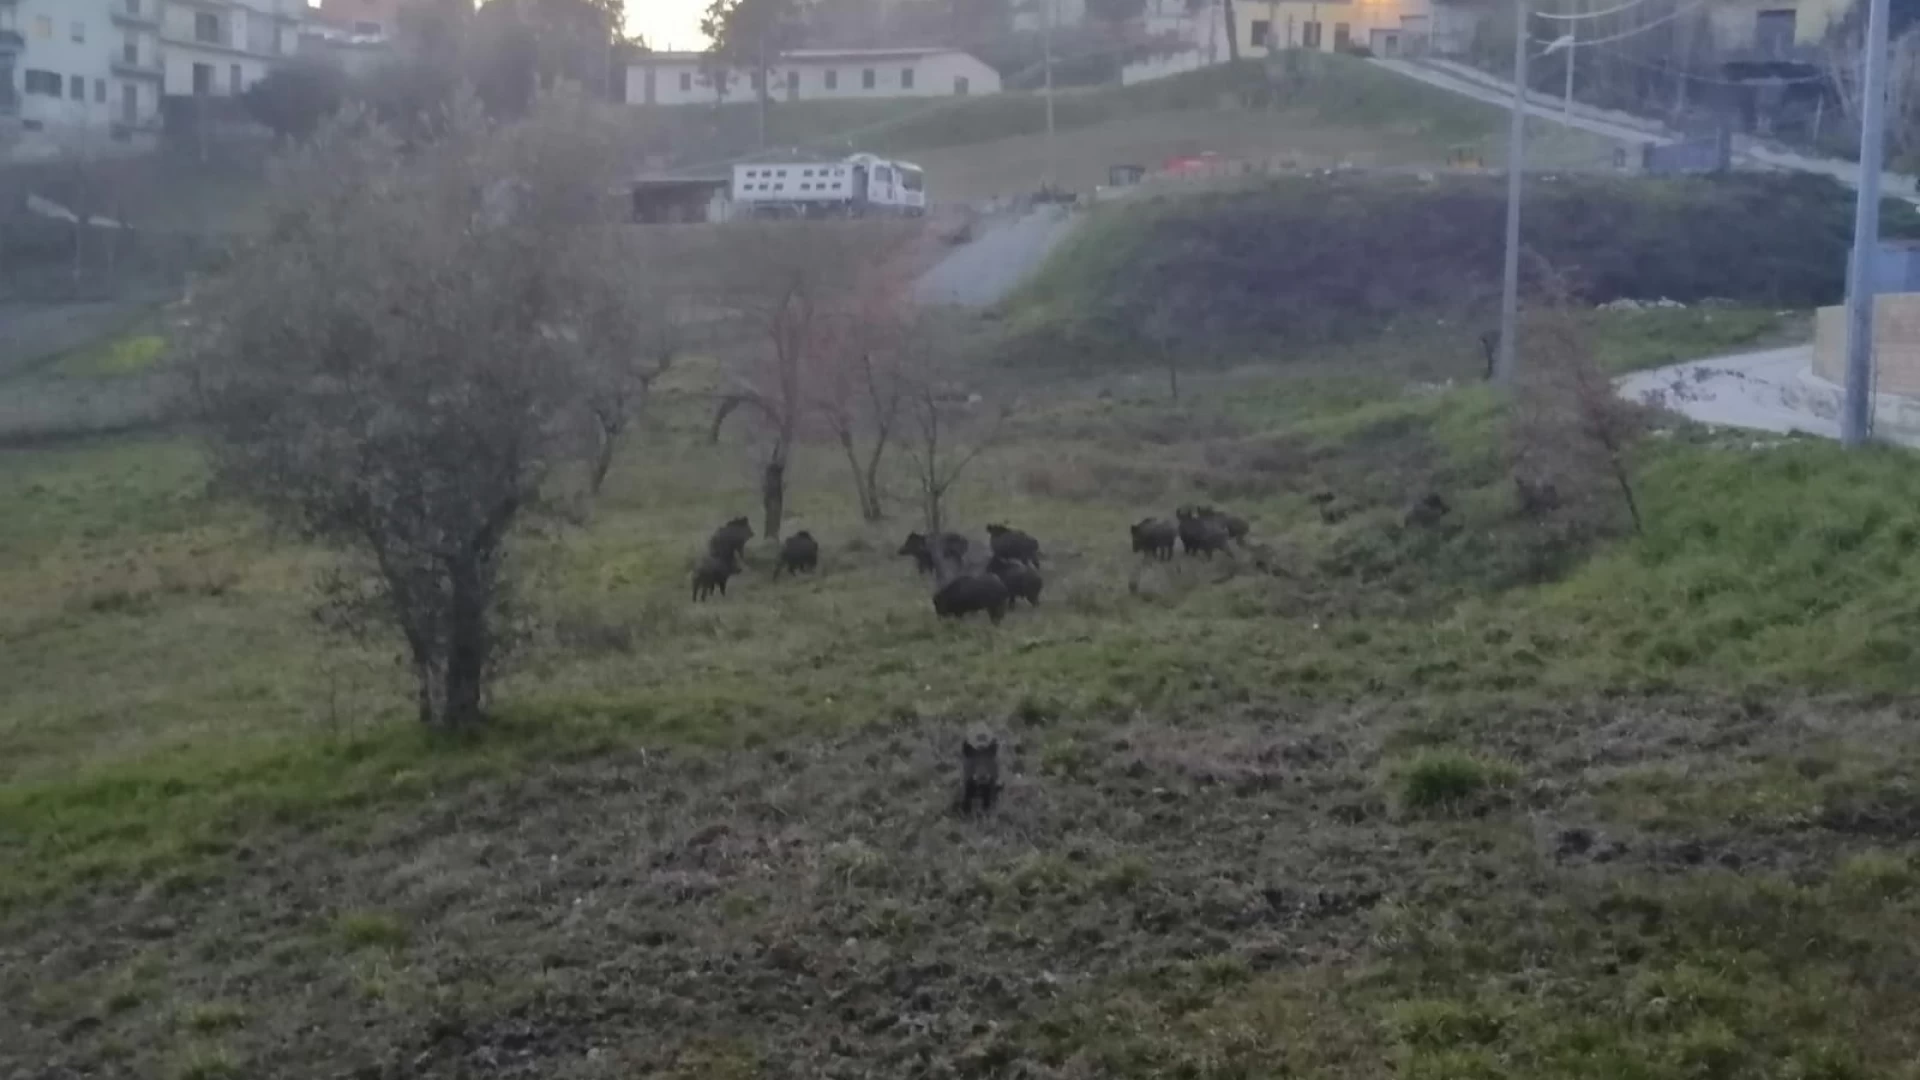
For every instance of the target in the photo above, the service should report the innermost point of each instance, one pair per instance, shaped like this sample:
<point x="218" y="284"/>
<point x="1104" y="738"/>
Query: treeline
<point x="506" y="51"/>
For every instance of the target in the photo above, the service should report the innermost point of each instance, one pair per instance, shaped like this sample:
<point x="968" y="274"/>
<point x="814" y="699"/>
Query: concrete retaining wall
<point x="1896" y="344"/>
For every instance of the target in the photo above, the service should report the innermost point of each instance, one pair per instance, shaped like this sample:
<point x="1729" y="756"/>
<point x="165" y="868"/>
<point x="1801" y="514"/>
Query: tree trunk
<point x="603" y="457"/>
<point x="870" y="484"/>
<point x="466" y="644"/>
<point x="865" y="483"/>
<point x="1233" y="30"/>
<point x="773" y="495"/>
<point x="1173" y="378"/>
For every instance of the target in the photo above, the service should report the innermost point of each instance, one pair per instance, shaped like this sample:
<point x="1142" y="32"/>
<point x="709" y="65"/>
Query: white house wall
<point x="676" y="81"/>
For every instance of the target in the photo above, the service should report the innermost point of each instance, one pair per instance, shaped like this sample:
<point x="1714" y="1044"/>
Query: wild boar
<point x="711" y="575"/>
<point x="979" y="772"/>
<point x="1013" y="545"/>
<point x="1200" y="535"/>
<point x="800" y="552"/>
<point x="1023" y="582"/>
<point x="1154" y="537"/>
<point x="969" y="593"/>
<point x="729" y="540"/>
<point x="952" y="549"/>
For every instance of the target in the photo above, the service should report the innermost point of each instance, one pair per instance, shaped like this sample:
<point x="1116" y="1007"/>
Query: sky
<point x="667" y="23"/>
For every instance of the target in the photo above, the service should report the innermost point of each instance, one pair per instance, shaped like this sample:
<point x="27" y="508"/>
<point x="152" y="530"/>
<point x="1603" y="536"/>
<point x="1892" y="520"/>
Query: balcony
<point x="136" y="69"/>
<point x="146" y="17"/>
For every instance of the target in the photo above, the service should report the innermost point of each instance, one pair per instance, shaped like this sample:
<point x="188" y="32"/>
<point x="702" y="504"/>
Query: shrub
<point x="1311" y="260"/>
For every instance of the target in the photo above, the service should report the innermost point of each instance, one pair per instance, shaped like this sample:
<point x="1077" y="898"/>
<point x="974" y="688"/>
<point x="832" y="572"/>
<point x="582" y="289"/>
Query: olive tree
<point x="397" y="370"/>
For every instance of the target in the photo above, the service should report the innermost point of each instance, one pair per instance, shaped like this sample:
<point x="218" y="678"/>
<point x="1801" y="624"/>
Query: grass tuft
<point x="1449" y="780"/>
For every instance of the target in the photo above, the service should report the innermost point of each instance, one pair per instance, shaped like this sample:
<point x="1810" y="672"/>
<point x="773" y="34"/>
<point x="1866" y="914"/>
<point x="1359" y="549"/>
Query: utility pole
<point x="1046" y="45"/>
<point x="1516" y="164"/>
<point x="1854" y="418"/>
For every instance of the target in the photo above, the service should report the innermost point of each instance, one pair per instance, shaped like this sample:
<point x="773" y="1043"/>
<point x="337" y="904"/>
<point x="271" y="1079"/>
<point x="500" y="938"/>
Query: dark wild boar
<point x="711" y="575"/>
<point x="1013" y="545"/>
<point x="800" y="552"/>
<point x="969" y="593"/>
<point x="952" y="551"/>
<point x="979" y="772"/>
<point x="1154" y="537"/>
<point x="1023" y="582"/>
<point x="729" y="540"/>
<point x="1234" y="525"/>
<point x="1427" y="512"/>
<point x="1200" y="535"/>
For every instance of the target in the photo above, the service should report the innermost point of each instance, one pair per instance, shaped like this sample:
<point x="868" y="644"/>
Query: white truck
<point x="859" y="186"/>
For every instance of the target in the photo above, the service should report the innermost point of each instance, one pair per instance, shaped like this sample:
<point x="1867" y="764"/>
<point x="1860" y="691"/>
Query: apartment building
<point x="61" y="70"/>
<point x="96" y="70"/>
<point x="222" y="47"/>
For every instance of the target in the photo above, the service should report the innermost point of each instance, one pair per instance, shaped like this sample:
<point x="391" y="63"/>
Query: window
<point x="80" y="32"/>
<point x="912" y="180"/>
<point x="129" y="104"/>
<point x="206" y="27"/>
<point x="203" y="78"/>
<point x="77" y="87"/>
<point x="133" y="7"/>
<point x="832" y="78"/>
<point x="43" y="27"/>
<point x="867" y="79"/>
<point x="1774" y="31"/>
<point x="44" y="83"/>
<point x="234" y="85"/>
<point x="906" y="78"/>
<point x="130" y="52"/>
<point x="793" y="84"/>
<point x="362" y="26"/>
<point x="755" y="79"/>
<point x="1310" y="35"/>
<point x="960" y="86"/>
<point x="1342" y="37"/>
<point x="1261" y="29"/>
<point x="99" y="91"/>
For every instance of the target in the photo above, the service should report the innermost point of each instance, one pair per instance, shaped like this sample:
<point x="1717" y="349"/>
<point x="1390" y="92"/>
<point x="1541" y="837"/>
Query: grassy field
<point x="1380" y="801"/>
<point x="1338" y="109"/>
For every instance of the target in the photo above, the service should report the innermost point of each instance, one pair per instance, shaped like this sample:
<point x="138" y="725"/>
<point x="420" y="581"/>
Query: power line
<point x="1590" y="14"/>
<point x="1637" y="31"/>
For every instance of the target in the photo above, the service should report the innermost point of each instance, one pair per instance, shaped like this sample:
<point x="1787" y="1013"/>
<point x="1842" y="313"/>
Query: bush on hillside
<point x="1318" y="259"/>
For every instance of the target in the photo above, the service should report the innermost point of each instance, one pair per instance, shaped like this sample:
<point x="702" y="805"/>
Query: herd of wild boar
<point x="1010" y="574"/>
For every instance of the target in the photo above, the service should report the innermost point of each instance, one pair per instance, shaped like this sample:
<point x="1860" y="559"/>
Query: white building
<point x="686" y="78"/>
<point x="222" y="47"/>
<point x="80" y="70"/>
<point x="94" y="71"/>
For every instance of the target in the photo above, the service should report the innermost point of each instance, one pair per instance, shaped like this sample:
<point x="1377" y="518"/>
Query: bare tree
<point x="948" y="425"/>
<point x="1571" y="434"/>
<point x="397" y="369"/>
<point x="635" y="317"/>
<point x="860" y="384"/>
<point x="798" y="297"/>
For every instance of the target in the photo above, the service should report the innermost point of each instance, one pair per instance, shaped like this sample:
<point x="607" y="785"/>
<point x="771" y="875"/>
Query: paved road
<point x="1764" y="391"/>
<point x="987" y="269"/>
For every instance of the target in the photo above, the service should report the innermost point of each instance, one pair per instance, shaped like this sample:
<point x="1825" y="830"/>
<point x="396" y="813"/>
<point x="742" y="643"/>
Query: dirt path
<point x="987" y="269"/>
